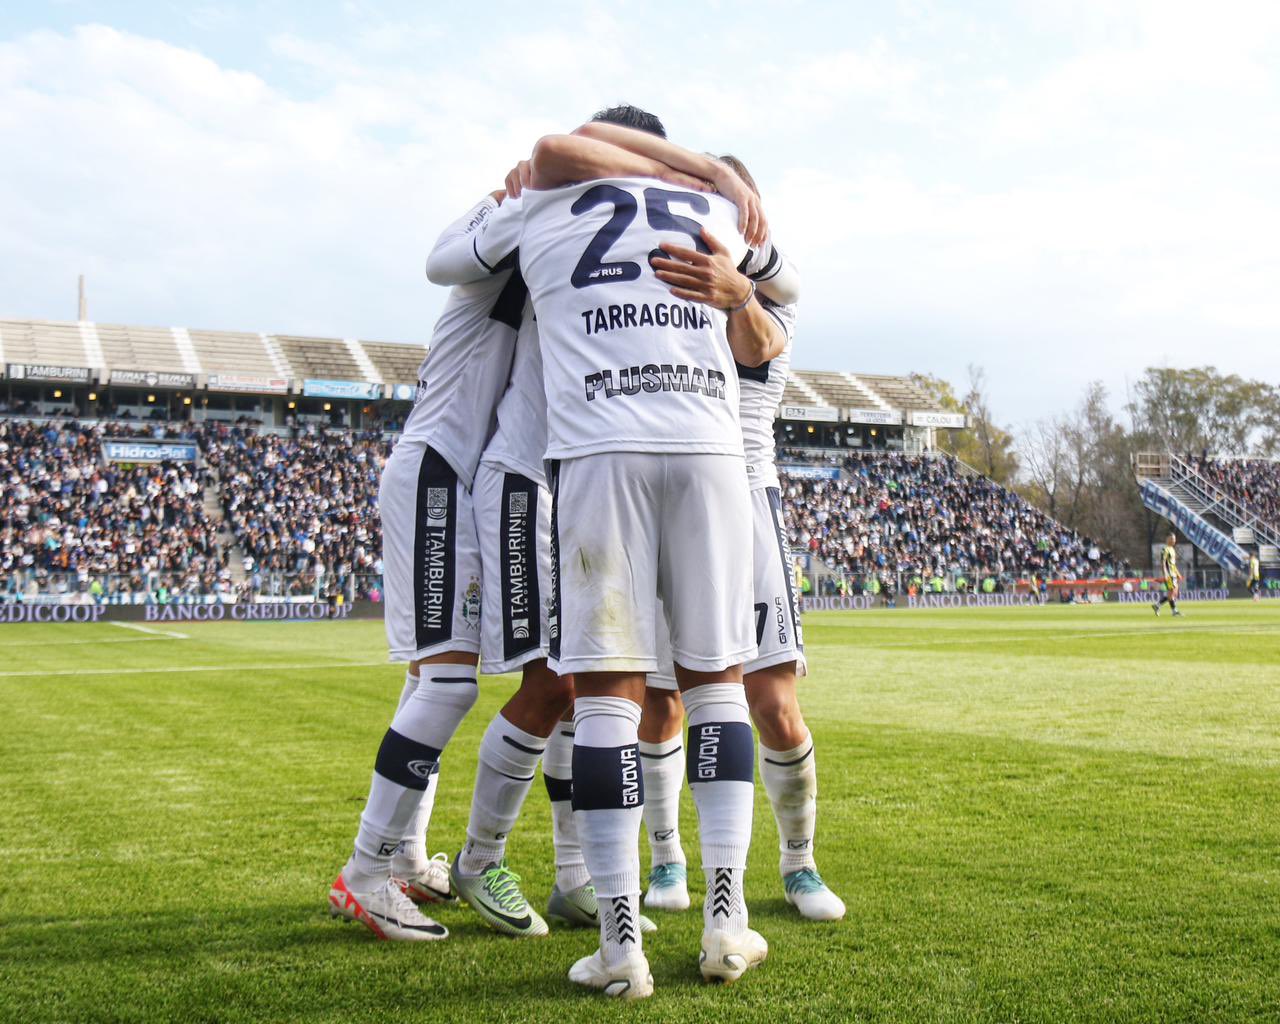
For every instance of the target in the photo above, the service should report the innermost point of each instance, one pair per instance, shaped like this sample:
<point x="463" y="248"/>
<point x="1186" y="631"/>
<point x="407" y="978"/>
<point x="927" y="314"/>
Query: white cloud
<point x="1063" y="198"/>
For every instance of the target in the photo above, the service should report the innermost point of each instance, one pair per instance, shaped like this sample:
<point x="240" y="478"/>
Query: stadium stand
<point x="304" y="509"/>
<point x="43" y="341"/>
<point x="140" y="348"/>
<point x="1254" y="483"/>
<point x="840" y="390"/>
<point x="397" y="364"/>
<point x="920" y="517"/>
<point x="897" y="392"/>
<point x="65" y="514"/>
<point x="319" y="358"/>
<point x="233" y="352"/>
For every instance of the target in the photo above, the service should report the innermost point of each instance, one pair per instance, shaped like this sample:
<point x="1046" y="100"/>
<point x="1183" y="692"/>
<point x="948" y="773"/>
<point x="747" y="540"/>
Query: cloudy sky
<point x="1055" y="191"/>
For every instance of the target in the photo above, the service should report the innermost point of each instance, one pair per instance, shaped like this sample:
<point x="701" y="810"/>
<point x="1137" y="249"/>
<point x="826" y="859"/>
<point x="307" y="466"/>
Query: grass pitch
<point x="1058" y="814"/>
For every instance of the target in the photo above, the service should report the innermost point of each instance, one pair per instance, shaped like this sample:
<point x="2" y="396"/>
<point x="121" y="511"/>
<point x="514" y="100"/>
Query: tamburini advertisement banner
<point x="51" y="374"/>
<point x="358" y="389"/>
<point x="811" y="413"/>
<point x="142" y="450"/>
<point x="248" y="382"/>
<point x="153" y="379"/>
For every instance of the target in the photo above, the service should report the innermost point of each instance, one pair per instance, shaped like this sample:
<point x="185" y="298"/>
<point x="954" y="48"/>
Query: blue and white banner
<point x="404" y="392"/>
<point x="149" y="451"/>
<point x="341" y="389"/>
<point x="809" y="472"/>
<point x="1214" y="543"/>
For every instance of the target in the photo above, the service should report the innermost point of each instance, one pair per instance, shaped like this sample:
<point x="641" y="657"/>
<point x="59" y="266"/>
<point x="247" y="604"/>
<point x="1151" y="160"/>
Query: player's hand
<point x="498" y="195"/>
<point x="751" y="218"/>
<point x="518" y="179"/>
<point x="712" y="279"/>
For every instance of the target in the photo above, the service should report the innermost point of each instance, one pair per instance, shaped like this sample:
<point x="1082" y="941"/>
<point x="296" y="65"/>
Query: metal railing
<point x="1232" y="511"/>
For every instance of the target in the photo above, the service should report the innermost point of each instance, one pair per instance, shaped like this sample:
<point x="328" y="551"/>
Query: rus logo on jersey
<point x="631" y="380"/>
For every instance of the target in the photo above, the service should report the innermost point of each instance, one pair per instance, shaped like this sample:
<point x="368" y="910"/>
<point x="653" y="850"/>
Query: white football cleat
<point x="386" y="911"/>
<point x="808" y="893"/>
<point x="431" y="884"/>
<point x="668" y="888"/>
<point x="727" y="956"/>
<point x="629" y="979"/>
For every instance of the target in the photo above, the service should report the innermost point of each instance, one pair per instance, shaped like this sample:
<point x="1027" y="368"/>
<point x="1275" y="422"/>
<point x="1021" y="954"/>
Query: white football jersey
<point x="627" y="366"/>
<point x="761" y="390"/>
<point x="469" y="361"/>
<point x="520" y="440"/>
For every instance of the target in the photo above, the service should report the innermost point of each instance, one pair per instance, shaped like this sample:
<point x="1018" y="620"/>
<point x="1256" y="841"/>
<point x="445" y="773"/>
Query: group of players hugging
<point x="592" y="450"/>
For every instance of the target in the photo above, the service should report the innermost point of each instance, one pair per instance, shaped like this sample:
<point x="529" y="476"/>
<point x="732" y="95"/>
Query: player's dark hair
<point x="740" y="169"/>
<point x="627" y="116"/>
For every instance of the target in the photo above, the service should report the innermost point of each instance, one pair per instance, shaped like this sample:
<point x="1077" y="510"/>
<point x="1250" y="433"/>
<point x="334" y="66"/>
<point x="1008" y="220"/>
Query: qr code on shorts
<point x="518" y="503"/>
<point x="437" y="503"/>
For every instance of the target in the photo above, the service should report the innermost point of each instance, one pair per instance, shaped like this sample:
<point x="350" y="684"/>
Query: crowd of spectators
<point x="65" y="515"/>
<point x="303" y="509"/>
<point x="898" y="520"/>
<point x="1253" y="483"/>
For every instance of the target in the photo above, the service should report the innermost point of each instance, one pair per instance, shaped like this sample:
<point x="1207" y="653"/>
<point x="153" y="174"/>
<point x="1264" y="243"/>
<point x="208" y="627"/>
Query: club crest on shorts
<point x="471" y="604"/>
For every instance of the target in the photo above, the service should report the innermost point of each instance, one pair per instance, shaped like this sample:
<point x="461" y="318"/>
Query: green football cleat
<point x="495" y="895"/>
<point x="578" y="908"/>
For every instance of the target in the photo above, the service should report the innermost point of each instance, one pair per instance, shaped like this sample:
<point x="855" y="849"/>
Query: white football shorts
<point x="630" y="527"/>
<point x="513" y="524"/>
<point x="431" y="560"/>
<point x="779" y="637"/>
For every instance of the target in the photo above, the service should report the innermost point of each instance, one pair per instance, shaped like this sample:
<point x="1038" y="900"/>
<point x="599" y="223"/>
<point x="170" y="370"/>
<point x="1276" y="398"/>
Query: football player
<point x="433" y="577"/>
<point x="786" y="756"/>
<point x="650" y="498"/>
<point x="1172" y="577"/>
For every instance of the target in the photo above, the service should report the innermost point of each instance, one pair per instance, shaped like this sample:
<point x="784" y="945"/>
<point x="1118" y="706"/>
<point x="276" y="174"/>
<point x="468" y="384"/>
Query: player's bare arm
<point x="714" y="280"/>
<point x="566" y="159"/>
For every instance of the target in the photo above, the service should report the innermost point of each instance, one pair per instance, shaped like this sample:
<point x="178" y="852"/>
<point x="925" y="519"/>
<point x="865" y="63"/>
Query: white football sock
<point x="608" y="801"/>
<point x="410" y="684"/>
<point x="721" y="762"/>
<point x="663" y="765"/>
<point x="411" y="855"/>
<point x="508" y="761"/>
<point x="408" y="757"/>
<point x="557" y="773"/>
<point x="791" y="779"/>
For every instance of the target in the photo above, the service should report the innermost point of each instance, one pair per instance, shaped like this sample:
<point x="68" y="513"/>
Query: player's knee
<point x="663" y="715"/>
<point x="776" y="715"/>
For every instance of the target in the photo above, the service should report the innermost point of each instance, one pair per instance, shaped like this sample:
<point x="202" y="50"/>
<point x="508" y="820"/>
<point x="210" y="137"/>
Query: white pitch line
<point x="83" y="643"/>
<point x="150" y="631"/>
<point x="194" y="668"/>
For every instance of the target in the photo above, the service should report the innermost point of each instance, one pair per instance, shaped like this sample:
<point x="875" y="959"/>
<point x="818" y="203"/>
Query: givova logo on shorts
<point x="521" y="629"/>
